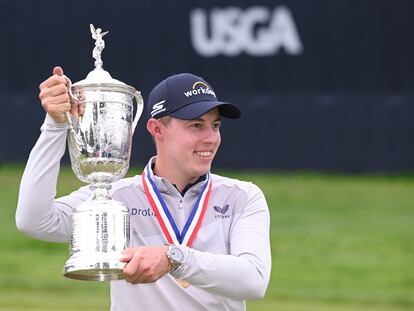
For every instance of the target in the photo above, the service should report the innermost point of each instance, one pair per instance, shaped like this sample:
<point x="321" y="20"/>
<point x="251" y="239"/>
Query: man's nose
<point x="210" y="135"/>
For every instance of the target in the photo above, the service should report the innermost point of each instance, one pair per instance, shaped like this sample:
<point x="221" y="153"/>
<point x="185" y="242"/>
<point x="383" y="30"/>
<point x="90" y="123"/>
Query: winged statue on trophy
<point x="97" y="34"/>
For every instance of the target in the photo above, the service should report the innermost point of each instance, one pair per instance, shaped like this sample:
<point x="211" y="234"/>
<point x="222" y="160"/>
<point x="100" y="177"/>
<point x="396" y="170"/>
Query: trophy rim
<point x="108" y="86"/>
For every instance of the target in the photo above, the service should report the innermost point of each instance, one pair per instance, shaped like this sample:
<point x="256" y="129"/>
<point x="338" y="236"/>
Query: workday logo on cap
<point x="199" y="88"/>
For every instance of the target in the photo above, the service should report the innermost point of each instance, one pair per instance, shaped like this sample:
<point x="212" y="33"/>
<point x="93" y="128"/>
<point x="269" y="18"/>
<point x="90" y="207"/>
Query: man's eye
<point x="196" y="125"/>
<point x="216" y="125"/>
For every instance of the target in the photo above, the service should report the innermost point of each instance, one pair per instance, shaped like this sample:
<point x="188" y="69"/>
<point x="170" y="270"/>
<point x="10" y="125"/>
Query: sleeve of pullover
<point x="38" y="214"/>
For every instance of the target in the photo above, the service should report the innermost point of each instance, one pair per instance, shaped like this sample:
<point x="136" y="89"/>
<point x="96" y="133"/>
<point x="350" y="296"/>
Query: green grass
<point x="338" y="242"/>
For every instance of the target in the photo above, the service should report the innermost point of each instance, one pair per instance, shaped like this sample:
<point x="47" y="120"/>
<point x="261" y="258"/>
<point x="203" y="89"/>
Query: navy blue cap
<point x="186" y="96"/>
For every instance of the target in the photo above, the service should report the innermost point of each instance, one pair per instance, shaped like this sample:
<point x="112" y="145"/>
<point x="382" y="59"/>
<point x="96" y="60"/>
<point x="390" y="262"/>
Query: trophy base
<point x="94" y="271"/>
<point x="100" y="233"/>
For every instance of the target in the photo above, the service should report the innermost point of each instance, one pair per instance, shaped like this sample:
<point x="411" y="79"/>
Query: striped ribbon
<point x="166" y="221"/>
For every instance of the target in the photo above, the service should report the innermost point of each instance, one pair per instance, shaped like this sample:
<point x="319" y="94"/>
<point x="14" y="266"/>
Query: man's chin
<point x="202" y="170"/>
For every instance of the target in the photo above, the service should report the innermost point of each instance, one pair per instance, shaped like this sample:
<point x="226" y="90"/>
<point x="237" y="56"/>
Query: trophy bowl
<point x="100" y="140"/>
<point x="99" y="143"/>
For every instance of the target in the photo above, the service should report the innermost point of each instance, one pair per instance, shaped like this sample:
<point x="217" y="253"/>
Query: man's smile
<point x="204" y="154"/>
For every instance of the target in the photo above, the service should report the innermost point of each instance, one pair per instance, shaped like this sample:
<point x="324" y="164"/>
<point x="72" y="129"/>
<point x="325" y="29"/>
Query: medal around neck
<point x="99" y="143"/>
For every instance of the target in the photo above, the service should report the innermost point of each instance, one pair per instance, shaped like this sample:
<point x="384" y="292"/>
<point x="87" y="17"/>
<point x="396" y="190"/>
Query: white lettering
<point x="257" y="31"/>
<point x="199" y="91"/>
<point x="288" y="38"/>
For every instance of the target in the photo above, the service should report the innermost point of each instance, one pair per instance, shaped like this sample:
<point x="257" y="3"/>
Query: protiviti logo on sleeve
<point x="199" y="88"/>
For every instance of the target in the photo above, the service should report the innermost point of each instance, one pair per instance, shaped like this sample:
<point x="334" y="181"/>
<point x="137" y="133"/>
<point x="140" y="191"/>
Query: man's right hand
<point x="54" y="95"/>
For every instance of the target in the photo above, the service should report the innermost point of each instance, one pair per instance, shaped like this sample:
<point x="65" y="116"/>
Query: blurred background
<point x="326" y="88"/>
<point x="322" y="84"/>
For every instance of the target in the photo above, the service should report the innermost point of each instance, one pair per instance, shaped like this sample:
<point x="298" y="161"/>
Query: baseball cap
<point x="186" y="96"/>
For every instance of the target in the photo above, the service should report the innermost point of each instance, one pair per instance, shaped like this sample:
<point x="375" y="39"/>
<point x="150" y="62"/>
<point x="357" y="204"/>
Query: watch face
<point x="176" y="254"/>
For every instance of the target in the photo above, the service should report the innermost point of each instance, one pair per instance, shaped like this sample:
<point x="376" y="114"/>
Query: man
<point x="216" y="228"/>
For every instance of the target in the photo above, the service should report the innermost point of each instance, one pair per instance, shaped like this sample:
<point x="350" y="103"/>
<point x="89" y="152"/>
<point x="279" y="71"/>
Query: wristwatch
<point x="176" y="256"/>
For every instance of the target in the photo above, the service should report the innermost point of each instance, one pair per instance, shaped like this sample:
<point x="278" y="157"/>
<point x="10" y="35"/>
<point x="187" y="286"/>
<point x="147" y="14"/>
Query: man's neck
<point x="179" y="180"/>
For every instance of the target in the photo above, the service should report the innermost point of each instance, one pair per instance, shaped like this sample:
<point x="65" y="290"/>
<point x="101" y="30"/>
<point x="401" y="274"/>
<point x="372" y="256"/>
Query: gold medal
<point x="182" y="283"/>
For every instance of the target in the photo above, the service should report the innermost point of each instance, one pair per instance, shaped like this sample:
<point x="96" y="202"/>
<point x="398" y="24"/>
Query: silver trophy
<point x="99" y="143"/>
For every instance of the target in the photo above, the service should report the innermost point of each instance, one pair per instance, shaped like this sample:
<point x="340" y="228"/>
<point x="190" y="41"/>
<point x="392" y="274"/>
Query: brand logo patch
<point x="142" y="212"/>
<point x="158" y="108"/>
<point x="222" y="211"/>
<point x="199" y="88"/>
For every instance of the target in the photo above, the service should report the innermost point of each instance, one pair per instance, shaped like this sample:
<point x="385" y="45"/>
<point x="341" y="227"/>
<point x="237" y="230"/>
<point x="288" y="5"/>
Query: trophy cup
<point x="99" y="143"/>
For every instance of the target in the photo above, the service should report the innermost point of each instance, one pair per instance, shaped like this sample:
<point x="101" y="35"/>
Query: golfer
<point x="208" y="249"/>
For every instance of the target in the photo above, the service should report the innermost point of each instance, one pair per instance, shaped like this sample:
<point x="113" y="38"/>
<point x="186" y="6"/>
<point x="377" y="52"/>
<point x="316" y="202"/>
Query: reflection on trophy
<point x="99" y="143"/>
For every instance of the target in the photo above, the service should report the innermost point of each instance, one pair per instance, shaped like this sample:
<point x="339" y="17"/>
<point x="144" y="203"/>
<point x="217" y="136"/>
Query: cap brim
<point x="195" y="110"/>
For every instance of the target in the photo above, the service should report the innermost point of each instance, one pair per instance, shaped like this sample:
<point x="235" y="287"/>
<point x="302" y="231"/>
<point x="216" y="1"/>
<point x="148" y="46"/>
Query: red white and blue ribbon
<point x="164" y="217"/>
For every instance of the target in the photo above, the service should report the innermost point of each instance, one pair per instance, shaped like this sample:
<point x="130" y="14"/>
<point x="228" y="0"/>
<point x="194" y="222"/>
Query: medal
<point x="182" y="283"/>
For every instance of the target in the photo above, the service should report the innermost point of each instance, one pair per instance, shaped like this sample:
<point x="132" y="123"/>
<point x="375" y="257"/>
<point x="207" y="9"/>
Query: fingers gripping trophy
<point x="99" y="143"/>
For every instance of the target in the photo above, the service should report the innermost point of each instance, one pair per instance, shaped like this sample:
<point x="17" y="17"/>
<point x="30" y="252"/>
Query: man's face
<point x="192" y="144"/>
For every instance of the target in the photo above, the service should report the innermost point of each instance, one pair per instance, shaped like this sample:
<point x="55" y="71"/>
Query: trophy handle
<point x="140" y="107"/>
<point x="73" y="99"/>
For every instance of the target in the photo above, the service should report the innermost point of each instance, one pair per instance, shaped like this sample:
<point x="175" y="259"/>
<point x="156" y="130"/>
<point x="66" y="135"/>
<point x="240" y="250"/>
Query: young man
<point x="216" y="228"/>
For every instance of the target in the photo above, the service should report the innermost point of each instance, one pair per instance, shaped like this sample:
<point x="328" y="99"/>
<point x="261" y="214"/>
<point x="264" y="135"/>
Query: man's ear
<point x="155" y="128"/>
